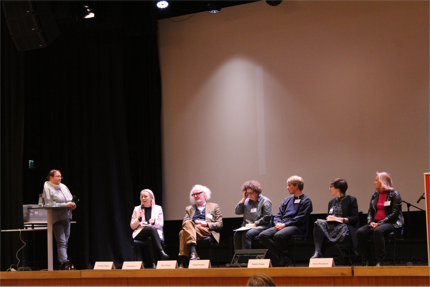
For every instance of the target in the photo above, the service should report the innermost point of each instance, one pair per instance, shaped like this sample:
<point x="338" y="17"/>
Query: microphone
<point x="141" y="209"/>
<point x="421" y="197"/>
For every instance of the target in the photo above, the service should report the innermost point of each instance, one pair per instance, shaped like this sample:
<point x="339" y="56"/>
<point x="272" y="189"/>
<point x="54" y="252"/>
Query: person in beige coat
<point x="202" y="219"/>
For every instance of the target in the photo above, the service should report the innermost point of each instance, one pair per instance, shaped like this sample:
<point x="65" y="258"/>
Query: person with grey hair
<point x="147" y="221"/>
<point x="202" y="219"/>
<point x="384" y="216"/>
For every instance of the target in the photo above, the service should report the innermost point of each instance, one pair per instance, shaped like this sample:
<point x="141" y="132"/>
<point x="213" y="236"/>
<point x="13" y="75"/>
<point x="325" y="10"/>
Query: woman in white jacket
<point x="147" y="221"/>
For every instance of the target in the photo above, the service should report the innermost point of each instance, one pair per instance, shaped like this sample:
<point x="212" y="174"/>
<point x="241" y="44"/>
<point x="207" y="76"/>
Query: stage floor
<point x="298" y="276"/>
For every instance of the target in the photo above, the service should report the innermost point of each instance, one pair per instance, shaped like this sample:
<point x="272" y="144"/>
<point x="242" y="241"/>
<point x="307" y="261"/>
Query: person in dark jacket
<point x="292" y="218"/>
<point x="342" y="219"/>
<point x="384" y="216"/>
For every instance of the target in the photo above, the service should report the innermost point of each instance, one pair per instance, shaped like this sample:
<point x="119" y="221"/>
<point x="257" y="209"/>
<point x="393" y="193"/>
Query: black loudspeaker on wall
<point x="31" y="23"/>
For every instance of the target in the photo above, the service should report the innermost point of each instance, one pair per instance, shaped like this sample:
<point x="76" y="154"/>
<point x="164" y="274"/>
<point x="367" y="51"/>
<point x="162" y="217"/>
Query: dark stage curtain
<point x="93" y="110"/>
<point x="12" y="134"/>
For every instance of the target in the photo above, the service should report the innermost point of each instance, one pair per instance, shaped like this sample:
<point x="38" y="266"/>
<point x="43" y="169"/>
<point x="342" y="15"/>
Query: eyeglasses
<point x="331" y="186"/>
<point x="60" y="177"/>
<point x="198" y="193"/>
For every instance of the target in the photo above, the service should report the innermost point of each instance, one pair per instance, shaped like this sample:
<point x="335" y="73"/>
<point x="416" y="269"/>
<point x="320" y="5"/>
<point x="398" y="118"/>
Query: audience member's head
<point x="260" y="279"/>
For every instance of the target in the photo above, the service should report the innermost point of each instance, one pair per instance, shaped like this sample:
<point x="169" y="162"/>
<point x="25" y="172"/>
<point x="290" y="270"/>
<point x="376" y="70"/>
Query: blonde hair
<point x="385" y="180"/>
<point x="296" y="181"/>
<point x="150" y="194"/>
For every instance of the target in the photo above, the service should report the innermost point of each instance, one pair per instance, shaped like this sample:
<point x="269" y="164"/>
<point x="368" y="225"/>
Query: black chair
<point x="299" y="239"/>
<point x="392" y="237"/>
<point x="344" y="249"/>
<point x="211" y="242"/>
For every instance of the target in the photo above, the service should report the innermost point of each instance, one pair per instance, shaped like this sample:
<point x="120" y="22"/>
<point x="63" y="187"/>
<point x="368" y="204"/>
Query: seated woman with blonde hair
<point x="147" y="221"/>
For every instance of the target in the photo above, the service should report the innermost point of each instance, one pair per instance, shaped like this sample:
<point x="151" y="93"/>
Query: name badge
<point x="253" y="210"/>
<point x="387" y="203"/>
<point x="331" y="211"/>
<point x="209" y="216"/>
<point x="297" y="201"/>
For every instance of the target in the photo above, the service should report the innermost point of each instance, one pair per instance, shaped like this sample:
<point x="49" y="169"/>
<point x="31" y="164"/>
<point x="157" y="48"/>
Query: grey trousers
<point x="62" y="234"/>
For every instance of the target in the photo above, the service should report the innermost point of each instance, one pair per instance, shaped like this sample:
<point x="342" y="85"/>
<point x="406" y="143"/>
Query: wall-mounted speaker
<point x="31" y="23"/>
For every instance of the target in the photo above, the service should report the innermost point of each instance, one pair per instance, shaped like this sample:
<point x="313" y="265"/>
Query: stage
<point x="299" y="276"/>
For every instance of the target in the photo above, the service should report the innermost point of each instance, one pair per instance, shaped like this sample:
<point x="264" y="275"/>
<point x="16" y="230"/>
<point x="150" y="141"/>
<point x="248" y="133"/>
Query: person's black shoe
<point x="163" y="255"/>
<point x="317" y="254"/>
<point x="67" y="265"/>
<point x="287" y="261"/>
<point x="181" y="266"/>
<point x="284" y="261"/>
<point x="194" y="256"/>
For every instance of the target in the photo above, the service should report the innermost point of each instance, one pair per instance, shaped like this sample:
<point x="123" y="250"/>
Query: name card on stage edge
<point x="321" y="262"/>
<point x="199" y="264"/>
<point x="104" y="265"/>
<point x="132" y="265"/>
<point x="259" y="263"/>
<point x="167" y="264"/>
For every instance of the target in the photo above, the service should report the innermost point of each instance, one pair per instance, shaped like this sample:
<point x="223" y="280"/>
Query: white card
<point x="253" y="210"/>
<point x="259" y="263"/>
<point x="321" y="262"/>
<point x="199" y="264"/>
<point x="297" y="201"/>
<point x="209" y="216"/>
<point x="104" y="265"/>
<point x="167" y="264"/>
<point x="387" y="203"/>
<point x="132" y="265"/>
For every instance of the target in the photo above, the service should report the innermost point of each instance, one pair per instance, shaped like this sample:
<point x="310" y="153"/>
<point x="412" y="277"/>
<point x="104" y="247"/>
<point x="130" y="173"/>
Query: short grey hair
<point x="203" y="188"/>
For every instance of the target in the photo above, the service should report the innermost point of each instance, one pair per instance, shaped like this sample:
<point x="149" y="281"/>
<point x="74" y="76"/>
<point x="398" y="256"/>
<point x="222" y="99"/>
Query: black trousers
<point x="151" y="231"/>
<point x="379" y="233"/>
<point x="276" y="240"/>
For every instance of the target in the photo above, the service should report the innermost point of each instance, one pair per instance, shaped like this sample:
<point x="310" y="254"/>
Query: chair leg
<point x="294" y="253"/>
<point x="394" y="253"/>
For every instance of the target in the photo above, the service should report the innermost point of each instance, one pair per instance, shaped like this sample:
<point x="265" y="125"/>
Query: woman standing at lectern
<point x="57" y="194"/>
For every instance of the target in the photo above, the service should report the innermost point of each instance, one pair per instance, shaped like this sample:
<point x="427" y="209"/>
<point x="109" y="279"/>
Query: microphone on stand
<point x="421" y="197"/>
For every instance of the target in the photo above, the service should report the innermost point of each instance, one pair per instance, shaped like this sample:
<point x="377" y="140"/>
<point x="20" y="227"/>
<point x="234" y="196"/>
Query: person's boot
<point x="160" y="249"/>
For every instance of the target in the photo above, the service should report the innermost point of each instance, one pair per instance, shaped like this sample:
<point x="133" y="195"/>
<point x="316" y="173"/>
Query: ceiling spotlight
<point x="90" y="12"/>
<point x="214" y="8"/>
<point x="162" y="4"/>
<point x="274" y="2"/>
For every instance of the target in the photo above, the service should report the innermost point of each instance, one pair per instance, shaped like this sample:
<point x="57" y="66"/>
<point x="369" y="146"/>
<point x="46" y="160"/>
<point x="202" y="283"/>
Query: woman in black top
<point x="342" y="219"/>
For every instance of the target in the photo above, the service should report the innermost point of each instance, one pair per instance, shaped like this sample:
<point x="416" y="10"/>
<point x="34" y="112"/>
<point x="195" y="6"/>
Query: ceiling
<point x="179" y="8"/>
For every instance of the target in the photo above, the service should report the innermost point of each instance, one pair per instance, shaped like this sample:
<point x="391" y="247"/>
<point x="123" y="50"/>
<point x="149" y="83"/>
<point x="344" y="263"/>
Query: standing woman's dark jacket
<point x="393" y="209"/>
<point x="350" y="210"/>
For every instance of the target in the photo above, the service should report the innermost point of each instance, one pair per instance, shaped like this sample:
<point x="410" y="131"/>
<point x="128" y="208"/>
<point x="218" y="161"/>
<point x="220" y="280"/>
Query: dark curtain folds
<point x="93" y="105"/>
<point x="12" y="134"/>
